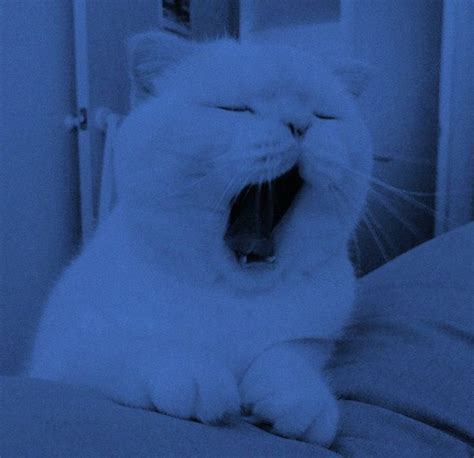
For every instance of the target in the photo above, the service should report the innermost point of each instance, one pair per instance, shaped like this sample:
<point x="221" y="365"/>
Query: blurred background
<point x="64" y="86"/>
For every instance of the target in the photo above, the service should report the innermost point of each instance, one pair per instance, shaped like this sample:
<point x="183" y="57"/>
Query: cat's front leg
<point x="284" y="386"/>
<point x="189" y="384"/>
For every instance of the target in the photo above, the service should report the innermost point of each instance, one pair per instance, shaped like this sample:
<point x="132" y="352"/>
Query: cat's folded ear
<point x="149" y="55"/>
<point x="354" y="74"/>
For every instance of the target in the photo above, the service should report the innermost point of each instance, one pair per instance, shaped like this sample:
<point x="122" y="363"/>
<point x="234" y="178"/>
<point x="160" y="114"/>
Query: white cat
<point x="197" y="299"/>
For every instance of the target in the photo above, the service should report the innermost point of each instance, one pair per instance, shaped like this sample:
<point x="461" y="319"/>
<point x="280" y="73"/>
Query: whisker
<point x="200" y="180"/>
<point x="340" y="201"/>
<point x="259" y="201"/>
<point x="355" y="243"/>
<point x="366" y="220"/>
<point x="377" y="180"/>
<point x="272" y="206"/>
<point x="415" y="203"/>
<point x="342" y="198"/>
<point x="399" y="192"/>
<point x="225" y="215"/>
<point x="224" y="194"/>
<point x="396" y="189"/>
<point x="384" y="202"/>
<point x="375" y="238"/>
<point x="377" y="226"/>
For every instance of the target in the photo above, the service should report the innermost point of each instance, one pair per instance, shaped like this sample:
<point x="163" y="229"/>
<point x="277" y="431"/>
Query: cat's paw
<point x="195" y="387"/>
<point x="305" y="415"/>
<point x="296" y="403"/>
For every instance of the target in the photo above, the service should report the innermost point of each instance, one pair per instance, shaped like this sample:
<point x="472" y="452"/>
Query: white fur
<point x="156" y="312"/>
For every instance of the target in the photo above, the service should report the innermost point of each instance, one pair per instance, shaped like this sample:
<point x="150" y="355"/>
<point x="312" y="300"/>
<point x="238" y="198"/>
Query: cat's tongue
<point x="249" y="233"/>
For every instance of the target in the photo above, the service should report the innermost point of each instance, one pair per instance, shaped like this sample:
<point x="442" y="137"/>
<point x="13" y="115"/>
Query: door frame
<point x="455" y="167"/>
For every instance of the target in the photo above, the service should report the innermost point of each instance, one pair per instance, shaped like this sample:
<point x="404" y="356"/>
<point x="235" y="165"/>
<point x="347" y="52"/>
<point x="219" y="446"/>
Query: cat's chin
<point x="253" y="277"/>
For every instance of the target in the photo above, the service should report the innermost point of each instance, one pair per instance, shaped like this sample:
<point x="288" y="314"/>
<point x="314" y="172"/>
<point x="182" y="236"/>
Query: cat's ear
<point x="149" y="55"/>
<point x="354" y="74"/>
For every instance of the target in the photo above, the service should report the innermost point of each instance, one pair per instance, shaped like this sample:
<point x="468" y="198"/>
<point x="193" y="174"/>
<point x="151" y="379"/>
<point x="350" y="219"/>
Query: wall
<point x="39" y="219"/>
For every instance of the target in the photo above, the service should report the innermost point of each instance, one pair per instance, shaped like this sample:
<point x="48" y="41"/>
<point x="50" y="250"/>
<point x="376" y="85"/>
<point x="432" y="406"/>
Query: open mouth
<point x="254" y="215"/>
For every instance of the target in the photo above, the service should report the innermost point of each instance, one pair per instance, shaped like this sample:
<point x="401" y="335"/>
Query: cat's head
<point x="255" y="154"/>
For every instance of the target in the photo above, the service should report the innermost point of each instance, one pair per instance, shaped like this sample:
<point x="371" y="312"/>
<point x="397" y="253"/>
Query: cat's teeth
<point x="243" y="260"/>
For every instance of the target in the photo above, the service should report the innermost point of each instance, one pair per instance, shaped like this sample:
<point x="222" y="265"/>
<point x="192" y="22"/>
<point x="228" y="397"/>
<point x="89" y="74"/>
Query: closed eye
<point x="237" y="109"/>
<point x="324" y="117"/>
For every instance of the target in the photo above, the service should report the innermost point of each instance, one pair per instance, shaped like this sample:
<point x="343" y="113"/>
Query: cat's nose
<point x="298" y="130"/>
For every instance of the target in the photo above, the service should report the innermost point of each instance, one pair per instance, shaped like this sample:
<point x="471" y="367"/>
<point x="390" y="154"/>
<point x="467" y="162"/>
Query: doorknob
<point x="77" y="122"/>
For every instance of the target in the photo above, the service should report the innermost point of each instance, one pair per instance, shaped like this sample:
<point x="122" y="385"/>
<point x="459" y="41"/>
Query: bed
<point x="403" y="373"/>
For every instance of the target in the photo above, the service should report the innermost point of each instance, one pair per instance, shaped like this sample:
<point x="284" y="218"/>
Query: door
<point x="101" y="31"/>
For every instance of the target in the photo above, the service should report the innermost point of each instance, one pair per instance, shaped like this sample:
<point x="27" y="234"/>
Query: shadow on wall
<point x="403" y="41"/>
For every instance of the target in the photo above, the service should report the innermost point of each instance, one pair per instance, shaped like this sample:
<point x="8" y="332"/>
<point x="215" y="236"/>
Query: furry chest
<point x="240" y="327"/>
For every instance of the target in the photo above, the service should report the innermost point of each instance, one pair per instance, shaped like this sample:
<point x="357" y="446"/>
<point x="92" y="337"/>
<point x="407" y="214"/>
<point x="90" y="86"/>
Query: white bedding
<point x="403" y="372"/>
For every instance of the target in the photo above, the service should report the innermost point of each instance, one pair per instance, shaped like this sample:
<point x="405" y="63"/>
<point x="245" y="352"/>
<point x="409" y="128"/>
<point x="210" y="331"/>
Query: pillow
<point x="404" y="369"/>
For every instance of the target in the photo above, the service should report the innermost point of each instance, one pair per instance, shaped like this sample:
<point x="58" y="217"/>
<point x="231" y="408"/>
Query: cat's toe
<point x="197" y="387"/>
<point x="217" y="401"/>
<point x="300" y="416"/>
<point x="323" y="428"/>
